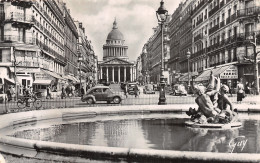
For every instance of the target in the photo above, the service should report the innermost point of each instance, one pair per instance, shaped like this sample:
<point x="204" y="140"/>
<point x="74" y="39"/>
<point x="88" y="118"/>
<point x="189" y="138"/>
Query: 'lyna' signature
<point x="238" y="143"/>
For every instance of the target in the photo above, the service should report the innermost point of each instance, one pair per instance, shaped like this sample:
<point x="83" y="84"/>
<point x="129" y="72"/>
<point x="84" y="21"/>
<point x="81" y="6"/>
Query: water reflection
<point x="166" y="134"/>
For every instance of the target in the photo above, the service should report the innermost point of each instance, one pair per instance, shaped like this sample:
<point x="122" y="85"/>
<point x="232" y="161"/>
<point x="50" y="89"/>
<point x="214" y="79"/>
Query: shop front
<point x="228" y="75"/>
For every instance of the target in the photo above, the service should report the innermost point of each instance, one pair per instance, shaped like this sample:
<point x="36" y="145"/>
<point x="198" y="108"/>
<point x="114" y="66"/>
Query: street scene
<point x="129" y="81"/>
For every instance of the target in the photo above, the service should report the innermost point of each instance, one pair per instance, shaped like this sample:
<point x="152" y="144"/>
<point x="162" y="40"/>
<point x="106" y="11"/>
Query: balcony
<point x="19" y="39"/>
<point x="213" y="11"/>
<point x="48" y="49"/>
<point x="214" y="29"/>
<point x="222" y="3"/>
<point x="198" y="37"/>
<point x="19" y="20"/>
<point x="199" y="6"/>
<point x="22" y="3"/>
<point x="248" y="11"/>
<point x="199" y="22"/>
<point x="228" y="20"/>
<point x="222" y="24"/>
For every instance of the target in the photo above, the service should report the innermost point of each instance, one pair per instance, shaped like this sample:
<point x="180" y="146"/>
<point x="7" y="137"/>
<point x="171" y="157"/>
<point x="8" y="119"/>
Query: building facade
<point x="174" y="34"/>
<point x="116" y="66"/>
<point x="38" y="45"/>
<point x="232" y="24"/>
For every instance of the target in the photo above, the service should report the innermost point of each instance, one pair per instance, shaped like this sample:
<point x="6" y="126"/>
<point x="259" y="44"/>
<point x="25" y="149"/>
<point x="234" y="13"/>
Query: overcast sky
<point x="135" y="19"/>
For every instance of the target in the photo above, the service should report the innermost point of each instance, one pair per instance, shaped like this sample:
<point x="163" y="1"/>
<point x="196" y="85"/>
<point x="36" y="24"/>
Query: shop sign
<point x="42" y="75"/>
<point x="230" y="73"/>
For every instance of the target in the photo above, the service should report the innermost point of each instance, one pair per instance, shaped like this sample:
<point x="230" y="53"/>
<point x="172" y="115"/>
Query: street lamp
<point x="162" y="14"/>
<point x="255" y="63"/>
<point x="80" y="60"/>
<point x="188" y="56"/>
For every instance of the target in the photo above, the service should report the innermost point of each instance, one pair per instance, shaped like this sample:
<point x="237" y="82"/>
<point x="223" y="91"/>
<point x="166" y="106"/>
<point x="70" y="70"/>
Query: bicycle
<point x="32" y="99"/>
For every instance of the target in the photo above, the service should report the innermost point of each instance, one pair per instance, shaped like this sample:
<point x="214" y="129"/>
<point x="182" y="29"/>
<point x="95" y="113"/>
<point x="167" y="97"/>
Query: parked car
<point x="130" y="88"/>
<point x="101" y="93"/>
<point x="179" y="90"/>
<point x="148" y="89"/>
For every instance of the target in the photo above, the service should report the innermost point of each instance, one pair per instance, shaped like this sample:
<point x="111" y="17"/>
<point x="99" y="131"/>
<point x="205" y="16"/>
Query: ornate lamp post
<point x="188" y="56"/>
<point x="162" y="14"/>
<point x="80" y="60"/>
<point x="255" y="63"/>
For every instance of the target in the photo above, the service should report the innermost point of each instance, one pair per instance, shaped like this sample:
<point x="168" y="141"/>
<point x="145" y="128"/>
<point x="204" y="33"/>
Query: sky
<point x="135" y="19"/>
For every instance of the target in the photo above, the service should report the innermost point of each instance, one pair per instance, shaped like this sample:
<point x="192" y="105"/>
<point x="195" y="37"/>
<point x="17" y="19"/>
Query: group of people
<point x="213" y="103"/>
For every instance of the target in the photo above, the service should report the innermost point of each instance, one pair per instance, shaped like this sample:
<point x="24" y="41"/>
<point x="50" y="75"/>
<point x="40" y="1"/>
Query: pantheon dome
<point x="115" y="34"/>
<point x="114" y="47"/>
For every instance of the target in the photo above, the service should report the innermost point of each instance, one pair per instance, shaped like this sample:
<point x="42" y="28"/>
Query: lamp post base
<point x="162" y="99"/>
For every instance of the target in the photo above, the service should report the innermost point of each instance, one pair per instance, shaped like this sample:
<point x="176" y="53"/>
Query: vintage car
<point x="148" y="89"/>
<point x="130" y="88"/>
<point x="179" y="90"/>
<point x="101" y="93"/>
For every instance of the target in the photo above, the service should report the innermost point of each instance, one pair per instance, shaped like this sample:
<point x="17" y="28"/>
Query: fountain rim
<point x="9" y="120"/>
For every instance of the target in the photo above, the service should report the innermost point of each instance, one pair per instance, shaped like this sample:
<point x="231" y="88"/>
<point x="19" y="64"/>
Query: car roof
<point x="99" y="86"/>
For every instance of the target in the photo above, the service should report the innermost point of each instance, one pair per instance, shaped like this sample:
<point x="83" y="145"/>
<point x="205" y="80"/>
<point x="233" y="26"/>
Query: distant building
<point x="116" y="66"/>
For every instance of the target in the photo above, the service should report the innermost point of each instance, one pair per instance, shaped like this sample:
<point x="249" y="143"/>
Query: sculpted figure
<point x="207" y="101"/>
<point x="228" y="114"/>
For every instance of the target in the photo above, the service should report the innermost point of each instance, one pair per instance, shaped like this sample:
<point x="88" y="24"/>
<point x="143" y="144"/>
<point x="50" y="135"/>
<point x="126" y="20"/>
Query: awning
<point x="43" y="82"/>
<point x="185" y="76"/>
<point x="53" y="74"/>
<point x="25" y="69"/>
<point x="72" y="78"/>
<point x="225" y="72"/>
<point x="9" y="81"/>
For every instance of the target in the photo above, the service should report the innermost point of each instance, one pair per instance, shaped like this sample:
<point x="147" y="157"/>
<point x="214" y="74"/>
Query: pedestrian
<point x="125" y="90"/>
<point x="136" y="90"/>
<point x="230" y="88"/>
<point x="27" y="96"/>
<point x="8" y="93"/>
<point x="82" y="91"/>
<point x="48" y="92"/>
<point x="240" y="92"/>
<point x="63" y="94"/>
<point x="12" y="91"/>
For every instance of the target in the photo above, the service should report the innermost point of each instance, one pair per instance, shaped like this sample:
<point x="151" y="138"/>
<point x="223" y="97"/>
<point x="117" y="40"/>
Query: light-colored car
<point x="101" y="93"/>
<point x="148" y="89"/>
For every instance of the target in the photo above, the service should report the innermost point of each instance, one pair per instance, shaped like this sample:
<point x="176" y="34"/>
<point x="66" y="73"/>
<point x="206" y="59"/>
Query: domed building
<point x="116" y="66"/>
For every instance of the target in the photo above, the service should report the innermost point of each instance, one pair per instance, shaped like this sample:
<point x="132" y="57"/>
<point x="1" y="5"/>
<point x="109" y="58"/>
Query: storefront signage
<point x="230" y="73"/>
<point x="42" y="75"/>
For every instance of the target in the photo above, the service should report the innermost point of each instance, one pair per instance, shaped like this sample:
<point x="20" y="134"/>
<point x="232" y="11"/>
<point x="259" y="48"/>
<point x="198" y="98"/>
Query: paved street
<point x="143" y="99"/>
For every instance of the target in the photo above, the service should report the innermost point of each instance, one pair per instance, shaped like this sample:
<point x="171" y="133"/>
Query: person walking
<point x="63" y="94"/>
<point x="240" y="92"/>
<point x="136" y="91"/>
<point x="8" y="93"/>
<point x="82" y="91"/>
<point x="125" y="90"/>
<point x="48" y="93"/>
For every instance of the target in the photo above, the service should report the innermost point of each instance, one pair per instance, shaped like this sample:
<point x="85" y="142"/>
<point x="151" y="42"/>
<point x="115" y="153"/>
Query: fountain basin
<point x="42" y="149"/>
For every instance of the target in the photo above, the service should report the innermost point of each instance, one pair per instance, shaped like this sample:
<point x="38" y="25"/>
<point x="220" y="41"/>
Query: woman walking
<point x="240" y="92"/>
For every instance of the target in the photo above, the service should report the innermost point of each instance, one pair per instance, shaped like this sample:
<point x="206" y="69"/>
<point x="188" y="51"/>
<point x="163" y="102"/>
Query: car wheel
<point x="116" y="100"/>
<point x="90" y="101"/>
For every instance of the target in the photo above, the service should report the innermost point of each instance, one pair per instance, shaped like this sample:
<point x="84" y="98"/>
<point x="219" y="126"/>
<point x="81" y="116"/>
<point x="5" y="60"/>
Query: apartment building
<point x="154" y="53"/>
<point x="200" y="27"/>
<point x="232" y="24"/>
<point x="38" y="44"/>
<point x="174" y="35"/>
<point x="185" y="37"/>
